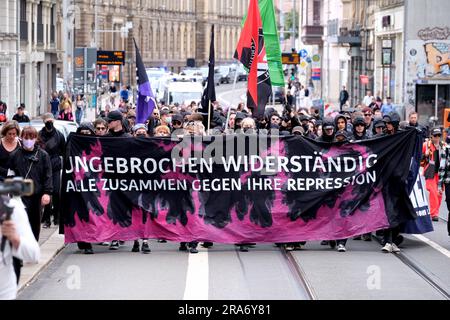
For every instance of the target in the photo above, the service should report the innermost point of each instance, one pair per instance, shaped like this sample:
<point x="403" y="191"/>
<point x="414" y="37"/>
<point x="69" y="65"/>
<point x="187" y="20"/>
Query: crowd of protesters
<point x="38" y="154"/>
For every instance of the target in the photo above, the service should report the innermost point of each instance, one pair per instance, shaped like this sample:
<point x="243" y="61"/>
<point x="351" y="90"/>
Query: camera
<point x="17" y="186"/>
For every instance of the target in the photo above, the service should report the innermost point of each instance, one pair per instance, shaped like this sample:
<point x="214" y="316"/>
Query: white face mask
<point x="29" y="144"/>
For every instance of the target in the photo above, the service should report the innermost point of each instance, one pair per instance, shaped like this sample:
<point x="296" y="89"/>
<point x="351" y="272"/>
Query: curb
<point x="49" y="249"/>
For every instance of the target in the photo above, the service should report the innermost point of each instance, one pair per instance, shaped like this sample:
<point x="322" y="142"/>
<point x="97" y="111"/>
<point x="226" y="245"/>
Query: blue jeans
<point x="78" y="115"/>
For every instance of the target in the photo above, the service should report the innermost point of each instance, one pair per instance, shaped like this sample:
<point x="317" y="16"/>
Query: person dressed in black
<point x="359" y="129"/>
<point x="328" y="130"/>
<point x="116" y="129"/>
<point x="343" y="97"/>
<point x="20" y="116"/>
<point x="54" y="144"/>
<point x="86" y="128"/>
<point x="31" y="162"/>
<point x="9" y="143"/>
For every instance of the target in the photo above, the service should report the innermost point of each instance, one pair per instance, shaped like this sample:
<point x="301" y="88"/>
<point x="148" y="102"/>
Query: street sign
<point x="303" y="53"/>
<point x="316" y="73"/>
<point x="290" y="58"/>
<point x="111" y="58"/>
<point x="364" y="79"/>
<point x="6" y="61"/>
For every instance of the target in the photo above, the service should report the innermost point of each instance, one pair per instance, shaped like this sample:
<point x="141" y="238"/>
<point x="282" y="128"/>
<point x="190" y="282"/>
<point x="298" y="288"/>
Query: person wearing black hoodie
<point x="54" y="144"/>
<point x="340" y="122"/>
<point x="328" y="130"/>
<point x="359" y="129"/>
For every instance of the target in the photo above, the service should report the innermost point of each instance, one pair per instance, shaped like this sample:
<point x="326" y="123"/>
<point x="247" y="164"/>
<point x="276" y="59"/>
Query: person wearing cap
<point x="341" y="136"/>
<point x="54" y="144"/>
<point x="298" y="131"/>
<point x="20" y="116"/>
<point x="304" y="120"/>
<point x="328" y="130"/>
<point x="238" y="120"/>
<point x="432" y="151"/>
<point x="359" y="129"/>
<point x="116" y="129"/>
<point x="378" y="127"/>
<point x="115" y="125"/>
<point x="177" y="122"/>
<point x="140" y="130"/>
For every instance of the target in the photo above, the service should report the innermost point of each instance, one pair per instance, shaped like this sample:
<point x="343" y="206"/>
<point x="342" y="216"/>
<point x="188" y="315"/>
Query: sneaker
<point x="367" y="237"/>
<point x="395" y="249"/>
<point x="183" y="247"/>
<point x="207" y="245"/>
<point x="105" y="243"/>
<point x="325" y="243"/>
<point x="193" y="250"/>
<point x="298" y="246"/>
<point x="114" y="245"/>
<point x="289" y="247"/>
<point x="162" y="241"/>
<point x="243" y="248"/>
<point x="88" y="251"/>
<point x="435" y="218"/>
<point x="398" y="240"/>
<point x="341" y="248"/>
<point x="332" y="244"/>
<point x="387" y="248"/>
<point x="135" y="247"/>
<point x="145" y="247"/>
<point x="47" y="225"/>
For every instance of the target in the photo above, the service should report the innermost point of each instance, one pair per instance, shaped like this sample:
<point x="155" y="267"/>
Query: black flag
<point x="209" y="94"/>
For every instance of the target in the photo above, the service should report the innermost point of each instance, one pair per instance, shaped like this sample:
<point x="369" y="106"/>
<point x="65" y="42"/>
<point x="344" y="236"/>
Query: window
<point x="23" y="20"/>
<point x="316" y="13"/>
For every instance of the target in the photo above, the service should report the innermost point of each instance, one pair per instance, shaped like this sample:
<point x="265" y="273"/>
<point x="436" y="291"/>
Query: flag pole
<point x="209" y="116"/>
<point x="232" y="94"/>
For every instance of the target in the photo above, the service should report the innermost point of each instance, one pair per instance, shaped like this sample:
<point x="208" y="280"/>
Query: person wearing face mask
<point x="54" y="144"/>
<point x="30" y="161"/>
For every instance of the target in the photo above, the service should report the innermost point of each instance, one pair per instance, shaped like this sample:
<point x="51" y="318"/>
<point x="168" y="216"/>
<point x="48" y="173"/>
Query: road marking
<point x="433" y="244"/>
<point x="197" y="278"/>
<point x="226" y="102"/>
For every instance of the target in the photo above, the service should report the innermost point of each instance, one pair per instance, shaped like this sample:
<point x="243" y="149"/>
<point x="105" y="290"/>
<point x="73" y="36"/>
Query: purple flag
<point x="145" y="100"/>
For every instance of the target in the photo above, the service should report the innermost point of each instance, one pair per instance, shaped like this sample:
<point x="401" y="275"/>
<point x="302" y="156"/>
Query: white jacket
<point x="28" y="251"/>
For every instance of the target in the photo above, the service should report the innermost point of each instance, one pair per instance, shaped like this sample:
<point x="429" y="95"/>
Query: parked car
<point x="66" y="127"/>
<point x="205" y="71"/>
<point x="224" y="72"/>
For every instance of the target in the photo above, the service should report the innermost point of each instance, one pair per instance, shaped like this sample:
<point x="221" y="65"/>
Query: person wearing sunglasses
<point x="368" y="119"/>
<point x="177" y="122"/>
<point x="101" y="127"/>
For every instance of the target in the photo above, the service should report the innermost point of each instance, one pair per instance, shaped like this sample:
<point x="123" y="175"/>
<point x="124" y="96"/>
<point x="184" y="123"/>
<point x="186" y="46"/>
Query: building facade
<point x="169" y="33"/>
<point x="389" y="42"/>
<point x="427" y="60"/>
<point x="40" y="63"/>
<point x="9" y="55"/>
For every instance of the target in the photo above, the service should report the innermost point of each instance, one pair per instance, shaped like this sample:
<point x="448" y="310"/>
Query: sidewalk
<point x="50" y="242"/>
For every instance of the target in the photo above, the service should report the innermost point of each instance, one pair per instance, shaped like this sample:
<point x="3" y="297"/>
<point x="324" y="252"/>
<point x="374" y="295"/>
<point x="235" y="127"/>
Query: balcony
<point x="312" y="35"/>
<point x="344" y="32"/>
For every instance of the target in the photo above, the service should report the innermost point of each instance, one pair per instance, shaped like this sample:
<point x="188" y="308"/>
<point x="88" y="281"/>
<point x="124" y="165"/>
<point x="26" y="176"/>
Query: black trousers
<point x="33" y="208"/>
<point x="192" y="244"/>
<point x="52" y="209"/>
<point x="390" y="234"/>
<point x="447" y="201"/>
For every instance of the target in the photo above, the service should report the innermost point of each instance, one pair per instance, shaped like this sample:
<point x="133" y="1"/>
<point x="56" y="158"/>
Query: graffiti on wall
<point x="428" y="60"/>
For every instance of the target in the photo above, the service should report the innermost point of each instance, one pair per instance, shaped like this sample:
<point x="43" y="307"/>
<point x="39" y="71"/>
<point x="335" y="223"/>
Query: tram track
<point x="419" y="270"/>
<point x="298" y="274"/>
